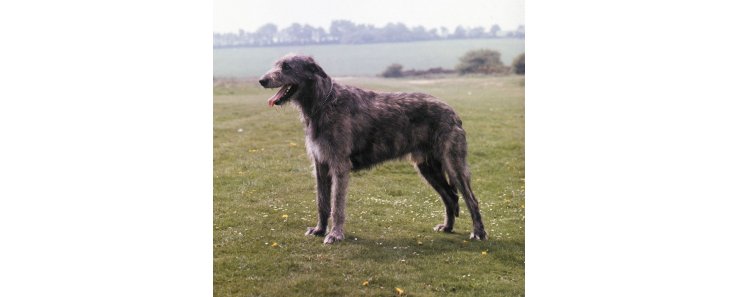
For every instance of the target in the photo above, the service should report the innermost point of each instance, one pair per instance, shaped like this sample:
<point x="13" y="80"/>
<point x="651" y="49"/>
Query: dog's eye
<point x="285" y="66"/>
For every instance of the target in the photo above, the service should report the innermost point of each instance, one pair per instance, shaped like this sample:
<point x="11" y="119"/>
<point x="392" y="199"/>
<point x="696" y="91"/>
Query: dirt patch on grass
<point x="423" y="82"/>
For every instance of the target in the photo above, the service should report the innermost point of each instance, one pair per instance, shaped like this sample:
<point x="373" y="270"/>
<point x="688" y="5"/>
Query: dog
<point x="349" y="129"/>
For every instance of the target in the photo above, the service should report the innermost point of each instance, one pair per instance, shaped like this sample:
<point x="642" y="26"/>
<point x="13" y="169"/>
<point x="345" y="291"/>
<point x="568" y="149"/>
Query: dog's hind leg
<point x="457" y="170"/>
<point x="431" y="170"/>
<point x="323" y="198"/>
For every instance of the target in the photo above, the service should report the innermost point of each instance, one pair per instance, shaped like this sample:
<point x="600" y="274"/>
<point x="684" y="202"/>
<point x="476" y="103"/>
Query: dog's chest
<point x="321" y="144"/>
<point x="313" y="149"/>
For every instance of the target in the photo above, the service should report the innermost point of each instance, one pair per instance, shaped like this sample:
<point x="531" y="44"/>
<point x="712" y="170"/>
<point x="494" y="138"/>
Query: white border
<point x="105" y="162"/>
<point x="632" y="149"/>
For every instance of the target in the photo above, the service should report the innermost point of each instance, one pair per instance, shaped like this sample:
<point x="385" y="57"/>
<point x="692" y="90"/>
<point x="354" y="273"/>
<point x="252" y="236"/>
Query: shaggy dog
<point x="348" y="128"/>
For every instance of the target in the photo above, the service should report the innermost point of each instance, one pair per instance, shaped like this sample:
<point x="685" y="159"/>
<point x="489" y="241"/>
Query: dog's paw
<point x="443" y="228"/>
<point x="333" y="237"/>
<point x="315" y="231"/>
<point x="478" y="235"/>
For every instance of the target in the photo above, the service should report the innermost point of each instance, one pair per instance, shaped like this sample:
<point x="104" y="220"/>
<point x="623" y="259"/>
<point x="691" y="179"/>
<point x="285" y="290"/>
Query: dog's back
<point x="384" y="126"/>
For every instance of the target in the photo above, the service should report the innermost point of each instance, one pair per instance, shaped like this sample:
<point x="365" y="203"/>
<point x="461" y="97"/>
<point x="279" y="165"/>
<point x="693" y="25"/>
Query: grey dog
<point x="348" y="128"/>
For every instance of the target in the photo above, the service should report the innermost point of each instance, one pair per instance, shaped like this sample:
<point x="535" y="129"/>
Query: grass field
<point x="366" y="59"/>
<point x="264" y="200"/>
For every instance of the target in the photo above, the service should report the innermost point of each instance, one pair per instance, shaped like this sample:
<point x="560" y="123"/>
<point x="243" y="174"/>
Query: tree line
<point x="347" y="32"/>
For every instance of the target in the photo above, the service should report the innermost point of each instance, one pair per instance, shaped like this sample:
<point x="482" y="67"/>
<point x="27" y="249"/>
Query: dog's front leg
<point x="323" y="198"/>
<point x="340" y="180"/>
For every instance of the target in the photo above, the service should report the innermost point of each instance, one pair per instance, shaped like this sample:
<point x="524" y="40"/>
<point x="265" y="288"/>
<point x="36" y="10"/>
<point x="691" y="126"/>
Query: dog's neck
<point x="315" y="97"/>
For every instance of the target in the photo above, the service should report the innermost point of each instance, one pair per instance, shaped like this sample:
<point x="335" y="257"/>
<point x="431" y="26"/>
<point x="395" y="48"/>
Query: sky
<point x="232" y="15"/>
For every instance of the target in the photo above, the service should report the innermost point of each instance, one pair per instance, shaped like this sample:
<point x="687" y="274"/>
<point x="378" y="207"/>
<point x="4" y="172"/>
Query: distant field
<point x="363" y="59"/>
<point x="263" y="200"/>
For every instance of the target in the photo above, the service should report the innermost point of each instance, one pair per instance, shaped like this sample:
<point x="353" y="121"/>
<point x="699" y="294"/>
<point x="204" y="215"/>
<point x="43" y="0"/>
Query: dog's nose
<point x="263" y="82"/>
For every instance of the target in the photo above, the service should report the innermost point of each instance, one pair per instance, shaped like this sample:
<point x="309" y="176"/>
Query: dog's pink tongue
<point x="277" y="96"/>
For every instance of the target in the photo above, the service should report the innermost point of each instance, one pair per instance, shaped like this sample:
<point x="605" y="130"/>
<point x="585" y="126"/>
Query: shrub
<point x="518" y="64"/>
<point x="394" y="70"/>
<point x="481" y="61"/>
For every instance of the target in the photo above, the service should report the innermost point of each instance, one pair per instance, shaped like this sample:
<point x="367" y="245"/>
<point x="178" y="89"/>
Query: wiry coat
<point x="348" y="128"/>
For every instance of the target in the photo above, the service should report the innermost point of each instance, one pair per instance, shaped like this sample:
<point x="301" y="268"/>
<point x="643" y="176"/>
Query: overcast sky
<point x="231" y="15"/>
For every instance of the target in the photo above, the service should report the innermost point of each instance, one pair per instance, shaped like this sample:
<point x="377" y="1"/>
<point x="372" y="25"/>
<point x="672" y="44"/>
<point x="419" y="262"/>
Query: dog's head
<point x="291" y="73"/>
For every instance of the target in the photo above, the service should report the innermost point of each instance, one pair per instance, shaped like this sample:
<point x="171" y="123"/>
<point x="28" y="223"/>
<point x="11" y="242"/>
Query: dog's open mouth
<point x="282" y="95"/>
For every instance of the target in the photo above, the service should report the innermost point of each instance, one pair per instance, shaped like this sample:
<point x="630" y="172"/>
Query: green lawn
<point x="264" y="193"/>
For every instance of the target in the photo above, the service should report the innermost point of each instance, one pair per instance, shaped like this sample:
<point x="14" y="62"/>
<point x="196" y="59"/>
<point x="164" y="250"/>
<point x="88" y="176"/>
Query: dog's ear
<point x="315" y="68"/>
